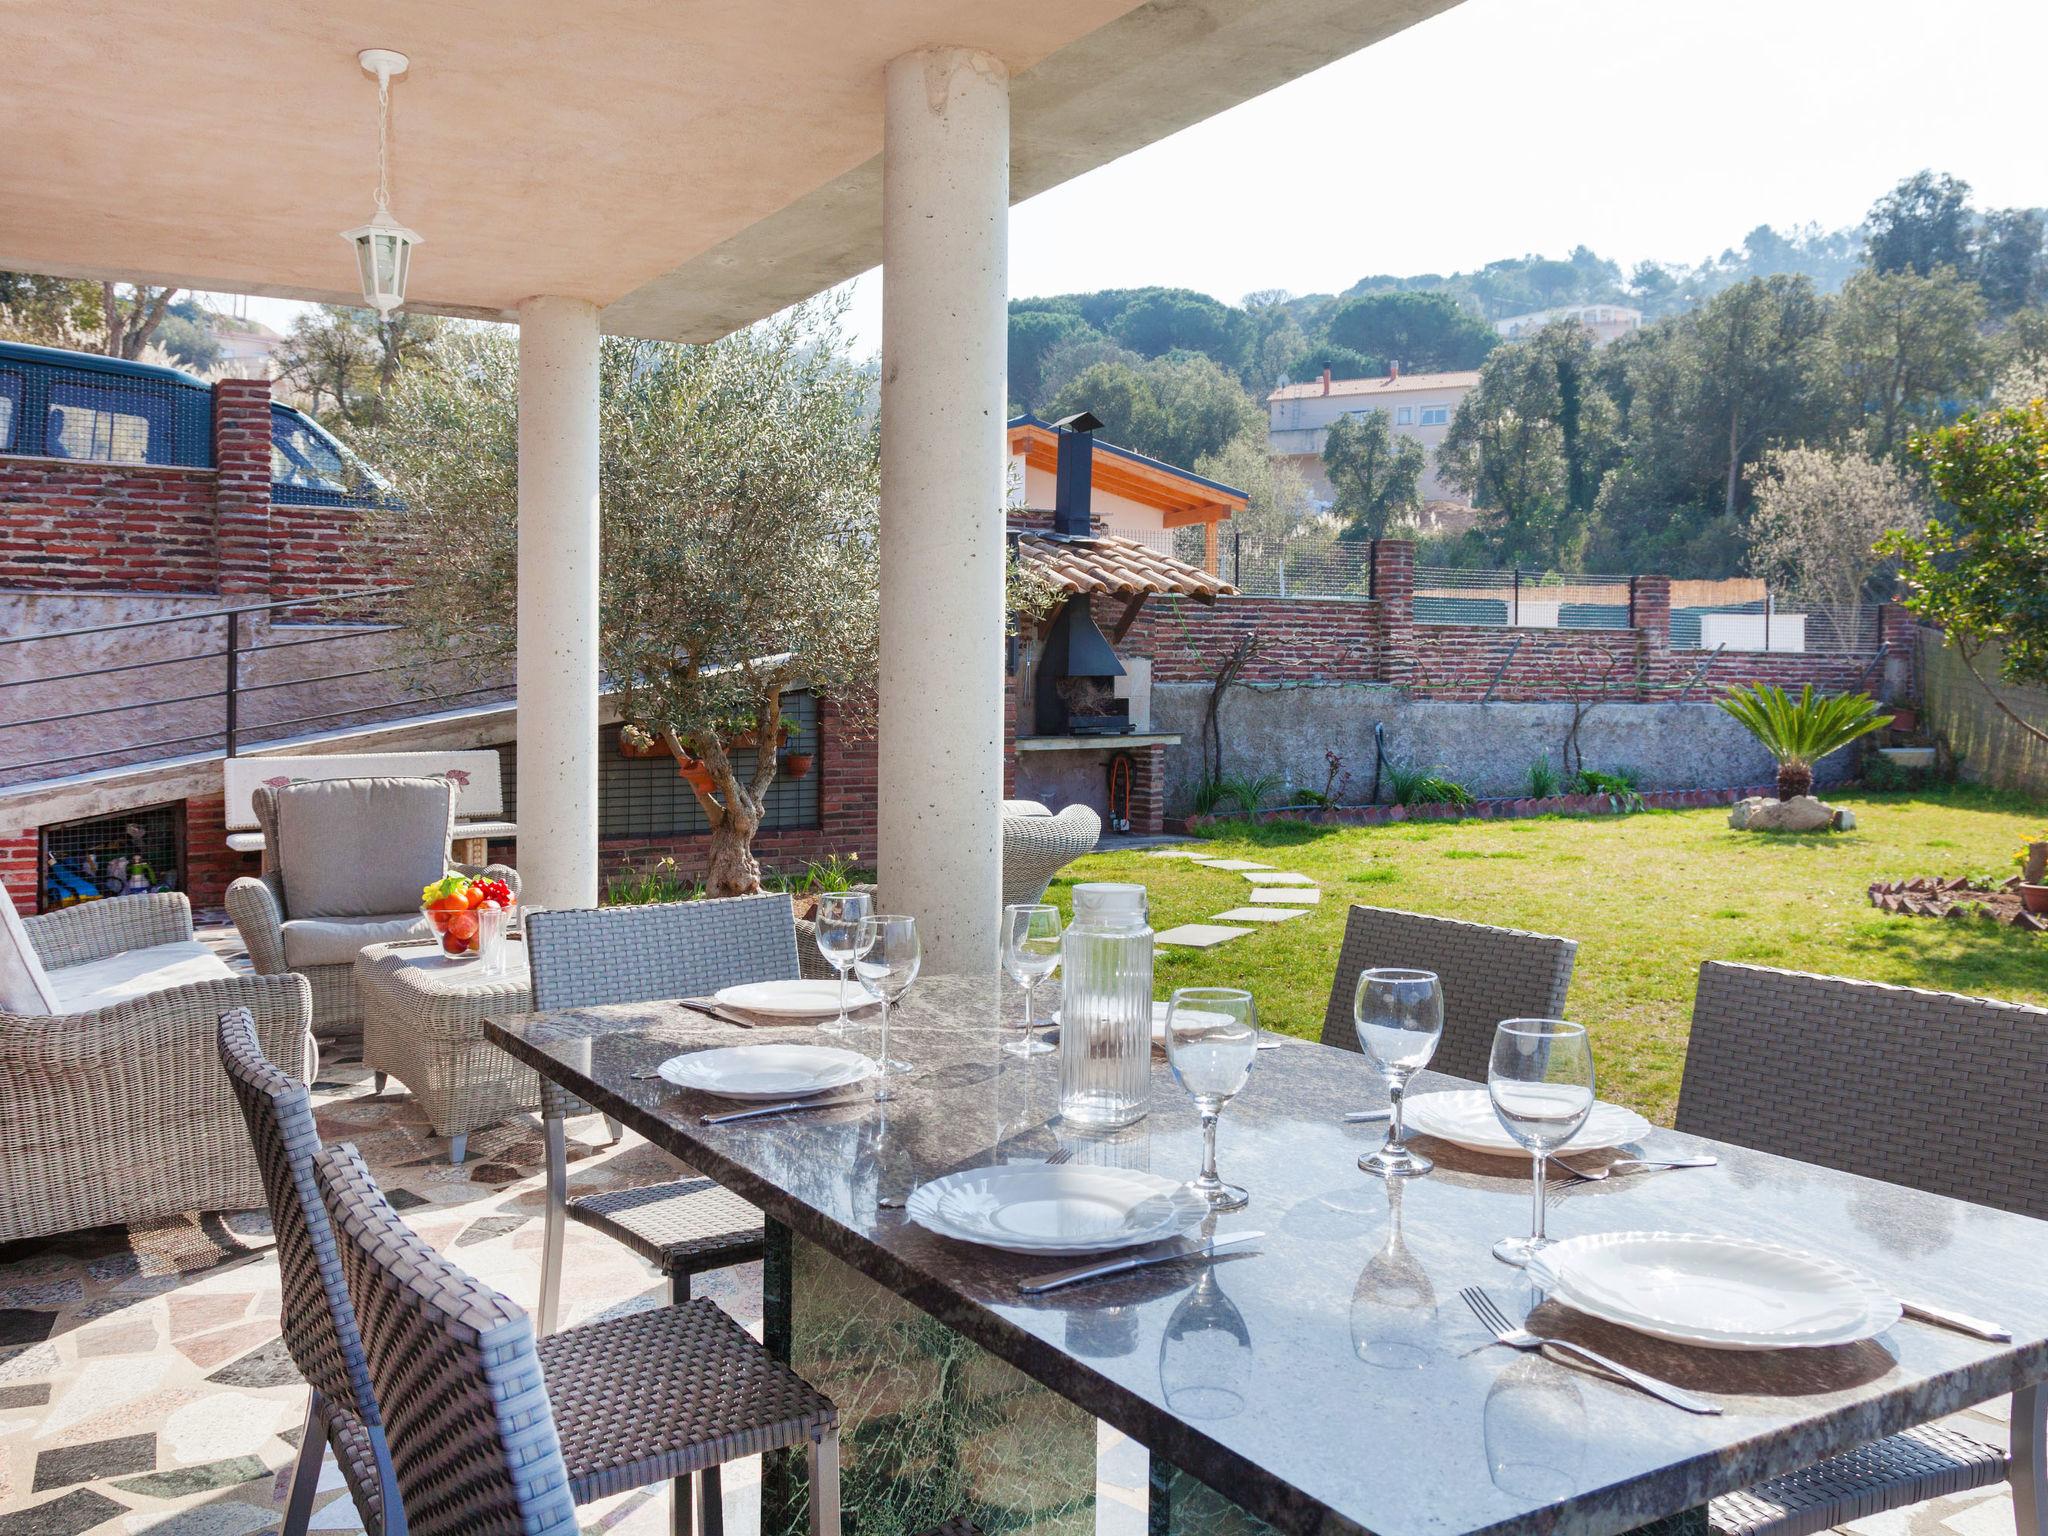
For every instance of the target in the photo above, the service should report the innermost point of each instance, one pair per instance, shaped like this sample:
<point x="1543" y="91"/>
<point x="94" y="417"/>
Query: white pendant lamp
<point x="383" y="246"/>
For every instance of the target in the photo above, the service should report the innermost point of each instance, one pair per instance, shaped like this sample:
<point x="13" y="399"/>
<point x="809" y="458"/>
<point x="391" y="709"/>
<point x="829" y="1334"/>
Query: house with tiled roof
<point x="1418" y="406"/>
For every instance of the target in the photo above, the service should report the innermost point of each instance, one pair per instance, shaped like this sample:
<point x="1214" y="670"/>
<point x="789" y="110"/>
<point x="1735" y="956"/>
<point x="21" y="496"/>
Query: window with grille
<point x="647" y="798"/>
<point x="134" y="852"/>
<point x="1436" y="415"/>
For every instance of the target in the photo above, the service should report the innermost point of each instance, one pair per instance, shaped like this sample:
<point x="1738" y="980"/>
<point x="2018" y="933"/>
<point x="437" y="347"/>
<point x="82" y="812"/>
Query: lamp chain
<point x="383" y="140"/>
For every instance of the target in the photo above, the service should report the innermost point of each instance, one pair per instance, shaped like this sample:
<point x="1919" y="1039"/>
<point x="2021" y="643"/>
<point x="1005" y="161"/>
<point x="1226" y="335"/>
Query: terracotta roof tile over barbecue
<point x="1117" y="567"/>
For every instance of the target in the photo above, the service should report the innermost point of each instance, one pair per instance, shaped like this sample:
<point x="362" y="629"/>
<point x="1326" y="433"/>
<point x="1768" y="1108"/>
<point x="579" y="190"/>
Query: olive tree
<point x="1816" y="520"/>
<point x="738" y="554"/>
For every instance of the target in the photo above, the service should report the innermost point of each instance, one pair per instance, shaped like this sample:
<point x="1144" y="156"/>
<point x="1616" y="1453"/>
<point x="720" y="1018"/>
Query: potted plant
<point x="795" y="761"/>
<point x="1800" y="732"/>
<point x="636" y="741"/>
<point x="2033" y="862"/>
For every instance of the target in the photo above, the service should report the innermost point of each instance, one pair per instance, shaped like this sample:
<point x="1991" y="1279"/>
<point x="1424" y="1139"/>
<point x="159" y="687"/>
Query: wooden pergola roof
<point x="1116" y="567"/>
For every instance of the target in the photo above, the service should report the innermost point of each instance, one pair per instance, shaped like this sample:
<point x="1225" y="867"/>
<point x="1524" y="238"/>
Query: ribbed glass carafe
<point x="1106" y="1007"/>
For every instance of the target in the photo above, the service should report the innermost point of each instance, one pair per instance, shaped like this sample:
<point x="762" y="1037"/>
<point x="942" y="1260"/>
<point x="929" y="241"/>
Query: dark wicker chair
<point x="1851" y="1066"/>
<point x="1488" y="974"/>
<point x="318" y="1324"/>
<point x="492" y="1432"/>
<point x="581" y="959"/>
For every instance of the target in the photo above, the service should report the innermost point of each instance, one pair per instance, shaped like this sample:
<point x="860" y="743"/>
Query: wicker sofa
<point x="1037" y="845"/>
<point x="343" y="863"/>
<point x="113" y="1107"/>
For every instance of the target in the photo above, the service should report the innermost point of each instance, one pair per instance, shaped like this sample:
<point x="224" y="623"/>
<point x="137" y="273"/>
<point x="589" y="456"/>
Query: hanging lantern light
<point x="383" y="246"/>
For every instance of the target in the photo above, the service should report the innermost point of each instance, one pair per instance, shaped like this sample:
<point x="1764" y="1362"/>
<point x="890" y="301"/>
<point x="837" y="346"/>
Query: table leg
<point x="932" y="1427"/>
<point x="2030" y="1460"/>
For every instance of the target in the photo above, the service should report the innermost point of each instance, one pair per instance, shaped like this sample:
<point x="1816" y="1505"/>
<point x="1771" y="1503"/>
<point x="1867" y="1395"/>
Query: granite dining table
<point x="1326" y="1379"/>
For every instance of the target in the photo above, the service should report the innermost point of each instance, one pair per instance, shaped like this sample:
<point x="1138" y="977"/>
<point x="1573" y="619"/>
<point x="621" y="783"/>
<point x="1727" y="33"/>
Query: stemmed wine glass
<point x="1541" y="1082"/>
<point x="1400" y="1018"/>
<point x="1031" y="952"/>
<point x="889" y="957"/>
<point x="839" y="928"/>
<point x="1212" y="1039"/>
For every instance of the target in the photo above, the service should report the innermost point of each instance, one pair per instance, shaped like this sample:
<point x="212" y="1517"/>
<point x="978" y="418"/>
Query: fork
<point x="1515" y="1336"/>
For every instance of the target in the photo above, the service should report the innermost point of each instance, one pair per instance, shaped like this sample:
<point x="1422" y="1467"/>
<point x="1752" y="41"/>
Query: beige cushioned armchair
<point x="113" y="1106"/>
<point x="343" y="864"/>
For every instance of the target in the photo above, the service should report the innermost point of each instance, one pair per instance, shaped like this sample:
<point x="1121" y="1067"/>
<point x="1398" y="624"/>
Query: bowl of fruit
<point x="471" y="916"/>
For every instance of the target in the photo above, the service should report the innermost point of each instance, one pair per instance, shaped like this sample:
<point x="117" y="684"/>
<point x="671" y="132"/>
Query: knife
<point x="1962" y="1322"/>
<point x="715" y="1011"/>
<point x="776" y="1109"/>
<point x="1184" y="1248"/>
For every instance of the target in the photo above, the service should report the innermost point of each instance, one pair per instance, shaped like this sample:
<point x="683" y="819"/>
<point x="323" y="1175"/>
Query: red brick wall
<point x="241" y="457"/>
<point x="76" y="527"/>
<point x="314" y="550"/>
<point x="18" y="868"/>
<point x="1334" y="639"/>
<point x="1460" y="661"/>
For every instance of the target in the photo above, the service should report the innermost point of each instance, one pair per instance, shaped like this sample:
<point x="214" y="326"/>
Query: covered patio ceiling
<point x="688" y="168"/>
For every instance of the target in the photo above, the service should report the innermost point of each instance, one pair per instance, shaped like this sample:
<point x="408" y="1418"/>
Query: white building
<point x="1418" y="406"/>
<point x="1607" y="322"/>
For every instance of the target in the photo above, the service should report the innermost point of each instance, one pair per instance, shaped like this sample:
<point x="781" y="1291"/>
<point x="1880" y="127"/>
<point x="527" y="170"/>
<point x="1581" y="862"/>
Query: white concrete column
<point x="557" y="674"/>
<point x="945" y="288"/>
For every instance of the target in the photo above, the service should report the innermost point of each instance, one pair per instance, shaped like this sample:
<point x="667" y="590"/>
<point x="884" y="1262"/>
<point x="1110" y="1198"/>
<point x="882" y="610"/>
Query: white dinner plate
<point x="767" y="1071"/>
<point x="793" y="999"/>
<point x="1063" y="1208"/>
<point x="1715" y="1292"/>
<point x="1465" y="1118"/>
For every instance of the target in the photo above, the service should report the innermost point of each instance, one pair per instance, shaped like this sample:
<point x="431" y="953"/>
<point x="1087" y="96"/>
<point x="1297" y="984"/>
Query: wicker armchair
<point x="119" y="1112"/>
<point x="272" y="928"/>
<point x="1848" y="1087"/>
<point x="490" y="1431"/>
<point x="1488" y="974"/>
<point x="1038" y="845"/>
<point x="583" y="959"/>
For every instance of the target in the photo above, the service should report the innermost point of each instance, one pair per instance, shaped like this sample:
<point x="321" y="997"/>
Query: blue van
<point x="79" y="405"/>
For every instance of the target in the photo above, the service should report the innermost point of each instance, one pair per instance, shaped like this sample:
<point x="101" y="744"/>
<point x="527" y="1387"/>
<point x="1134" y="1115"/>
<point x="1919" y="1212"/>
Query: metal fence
<point x="1770" y="623"/>
<point x="1519" y="599"/>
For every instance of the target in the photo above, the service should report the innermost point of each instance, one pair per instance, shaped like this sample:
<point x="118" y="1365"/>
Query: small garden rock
<point x="1802" y="813"/>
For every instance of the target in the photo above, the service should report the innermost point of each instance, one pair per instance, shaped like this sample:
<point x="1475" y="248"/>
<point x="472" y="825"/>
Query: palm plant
<point x="1800" y="732"/>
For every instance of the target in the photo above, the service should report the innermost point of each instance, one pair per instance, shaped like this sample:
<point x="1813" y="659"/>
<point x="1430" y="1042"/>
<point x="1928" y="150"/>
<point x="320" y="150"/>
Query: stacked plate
<point x="767" y="1071"/>
<point x="1714" y="1292"/>
<point x="793" y="999"/>
<point x="1061" y="1208"/>
<point x="1465" y="1118"/>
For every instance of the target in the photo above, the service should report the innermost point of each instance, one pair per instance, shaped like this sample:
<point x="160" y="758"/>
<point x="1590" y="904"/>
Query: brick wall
<point x="315" y="550"/>
<point x="18" y="868"/>
<point x="1301" y="638"/>
<point x="68" y="526"/>
<point x="1462" y="661"/>
<point x="241" y="457"/>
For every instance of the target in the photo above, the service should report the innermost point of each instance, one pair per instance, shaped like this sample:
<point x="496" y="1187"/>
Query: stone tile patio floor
<point x="143" y="1386"/>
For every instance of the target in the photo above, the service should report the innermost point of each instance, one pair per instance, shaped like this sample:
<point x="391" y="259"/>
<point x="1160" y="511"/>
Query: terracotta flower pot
<point x="796" y="764"/>
<point x="698" y="773"/>
<point x="628" y="749"/>
<point x="2034" y="897"/>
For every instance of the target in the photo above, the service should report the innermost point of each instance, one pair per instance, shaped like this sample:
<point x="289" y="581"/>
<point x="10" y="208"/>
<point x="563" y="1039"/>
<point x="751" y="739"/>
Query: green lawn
<point x="1648" y="897"/>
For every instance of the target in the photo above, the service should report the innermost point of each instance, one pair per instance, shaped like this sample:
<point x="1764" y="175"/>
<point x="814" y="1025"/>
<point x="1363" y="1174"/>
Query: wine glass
<point x="1400" y="1018"/>
<point x="887" y="965"/>
<point x="1205" y="1353"/>
<point x="839" y="928"/>
<point x="1031" y="952"/>
<point x="1541" y="1082"/>
<point x="1212" y="1039"/>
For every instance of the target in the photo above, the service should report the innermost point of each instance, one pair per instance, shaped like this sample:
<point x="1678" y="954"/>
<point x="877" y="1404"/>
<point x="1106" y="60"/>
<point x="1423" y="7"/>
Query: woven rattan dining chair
<point x="1928" y="1089"/>
<point x="582" y="959"/>
<point x="492" y="1432"/>
<point x="1488" y="974"/>
<point x="317" y="1321"/>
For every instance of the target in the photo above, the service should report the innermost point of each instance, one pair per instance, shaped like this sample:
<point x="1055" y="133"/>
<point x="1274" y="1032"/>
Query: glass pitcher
<point x="1106" y="1007"/>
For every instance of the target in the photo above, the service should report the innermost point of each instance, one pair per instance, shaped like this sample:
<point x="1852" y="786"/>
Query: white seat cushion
<point x="335" y="940"/>
<point x="134" y="973"/>
<point x="24" y="984"/>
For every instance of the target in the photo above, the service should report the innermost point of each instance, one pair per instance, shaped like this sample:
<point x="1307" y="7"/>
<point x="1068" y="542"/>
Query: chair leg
<point x="678" y="1285"/>
<point x="2030" y="1460"/>
<point x="554" y="1222"/>
<point x="682" y="1502"/>
<point x="613" y="1129"/>
<point x="458" y="1148"/>
<point x="710" y="1503"/>
<point x="306" y="1470"/>
<point x="824" y="1459"/>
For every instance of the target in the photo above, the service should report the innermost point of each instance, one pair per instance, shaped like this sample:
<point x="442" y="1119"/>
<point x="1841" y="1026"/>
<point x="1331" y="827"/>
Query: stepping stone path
<point x="1281" y="895"/>
<point x="1199" y="935"/>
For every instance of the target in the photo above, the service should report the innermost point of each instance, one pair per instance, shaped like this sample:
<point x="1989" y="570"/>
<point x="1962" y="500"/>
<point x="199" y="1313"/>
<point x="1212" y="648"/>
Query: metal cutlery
<point x="716" y="1011"/>
<point x="1184" y="1248"/>
<point x="1367" y="1116"/>
<point x="1593" y="1175"/>
<point x="1962" y="1322"/>
<point x="790" y="1108"/>
<point x="1516" y="1336"/>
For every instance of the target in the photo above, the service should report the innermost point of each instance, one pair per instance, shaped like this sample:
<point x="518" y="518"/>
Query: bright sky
<point x="1662" y="129"/>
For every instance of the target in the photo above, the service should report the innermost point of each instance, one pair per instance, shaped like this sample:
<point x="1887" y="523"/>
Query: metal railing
<point x="1520" y="599"/>
<point x="1770" y="623"/>
<point x="231" y="639"/>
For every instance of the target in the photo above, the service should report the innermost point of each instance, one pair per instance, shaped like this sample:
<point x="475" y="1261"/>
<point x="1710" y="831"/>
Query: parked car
<point x="80" y="405"/>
